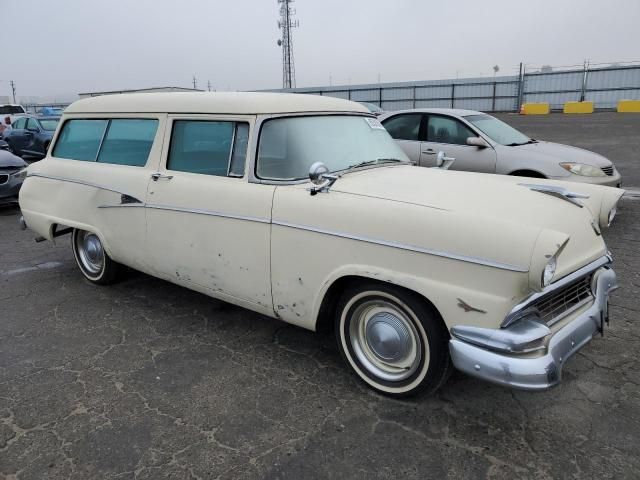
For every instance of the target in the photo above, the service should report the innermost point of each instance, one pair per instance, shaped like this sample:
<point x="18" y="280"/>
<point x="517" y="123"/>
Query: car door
<point x="31" y="137"/>
<point x="207" y="227"/>
<point x="17" y="137"/>
<point x="449" y="135"/>
<point x="405" y="129"/>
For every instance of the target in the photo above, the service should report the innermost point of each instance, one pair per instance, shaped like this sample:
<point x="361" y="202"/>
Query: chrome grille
<point x="608" y="170"/>
<point x="559" y="303"/>
<point x="4" y="178"/>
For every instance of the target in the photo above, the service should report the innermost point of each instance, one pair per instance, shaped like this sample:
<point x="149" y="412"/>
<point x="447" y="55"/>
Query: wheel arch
<point x="527" y="172"/>
<point x="330" y="297"/>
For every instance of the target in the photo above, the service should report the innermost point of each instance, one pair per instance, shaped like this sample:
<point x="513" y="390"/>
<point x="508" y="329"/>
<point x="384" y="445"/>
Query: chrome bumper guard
<point x="492" y="354"/>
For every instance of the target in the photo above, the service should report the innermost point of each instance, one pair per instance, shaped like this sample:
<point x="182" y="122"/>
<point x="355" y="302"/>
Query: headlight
<point x="583" y="169"/>
<point x="549" y="271"/>
<point x="20" y="174"/>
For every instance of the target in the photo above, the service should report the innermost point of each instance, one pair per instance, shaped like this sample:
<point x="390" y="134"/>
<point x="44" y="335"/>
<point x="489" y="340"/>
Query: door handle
<point x="429" y="151"/>
<point x="158" y="176"/>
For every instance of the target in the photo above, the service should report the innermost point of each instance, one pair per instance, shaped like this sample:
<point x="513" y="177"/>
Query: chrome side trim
<point x="123" y="205"/>
<point x="559" y="192"/>
<point x="516" y="312"/>
<point x="79" y="182"/>
<point x="403" y="246"/>
<point x="211" y="213"/>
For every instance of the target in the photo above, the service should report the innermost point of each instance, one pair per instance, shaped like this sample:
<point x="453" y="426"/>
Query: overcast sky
<point x="62" y="47"/>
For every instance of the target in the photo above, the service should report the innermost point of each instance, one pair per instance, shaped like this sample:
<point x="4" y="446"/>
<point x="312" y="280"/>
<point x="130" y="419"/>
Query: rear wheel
<point x="393" y="340"/>
<point x="94" y="263"/>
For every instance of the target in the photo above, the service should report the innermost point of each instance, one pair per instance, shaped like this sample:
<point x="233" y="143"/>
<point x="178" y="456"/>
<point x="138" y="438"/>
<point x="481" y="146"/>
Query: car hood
<point x="500" y="214"/>
<point x="8" y="160"/>
<point x="564" y="153"/>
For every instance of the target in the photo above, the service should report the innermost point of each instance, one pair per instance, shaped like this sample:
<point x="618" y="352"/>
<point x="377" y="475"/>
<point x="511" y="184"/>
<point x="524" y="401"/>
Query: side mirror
<point x="477" y="142"/>
<point x="320" y="178"/>
<point x="316" y="173"/>
<point x="443" y="162"/>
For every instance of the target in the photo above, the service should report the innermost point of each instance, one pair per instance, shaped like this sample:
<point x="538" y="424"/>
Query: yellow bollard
<point x="541" y="108"/>
<point x="629" y="106"/>
<point x="578" y="107"/>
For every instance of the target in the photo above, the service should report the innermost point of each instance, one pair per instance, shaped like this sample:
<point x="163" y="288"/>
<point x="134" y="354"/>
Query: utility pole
<point x="195" y="83"/>
<point x="286" y="23"/>
<point x="13" y="90"/>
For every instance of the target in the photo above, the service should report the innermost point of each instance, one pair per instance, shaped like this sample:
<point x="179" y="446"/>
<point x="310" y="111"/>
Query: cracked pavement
<point x="149" y="380"/>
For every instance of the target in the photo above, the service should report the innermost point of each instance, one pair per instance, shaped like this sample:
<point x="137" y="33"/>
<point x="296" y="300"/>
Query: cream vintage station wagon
<point x="304" y="209"/>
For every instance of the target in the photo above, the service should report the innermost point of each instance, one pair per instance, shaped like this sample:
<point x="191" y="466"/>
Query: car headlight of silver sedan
<point x="20" y="174"/>
<point x="583" y="169"/>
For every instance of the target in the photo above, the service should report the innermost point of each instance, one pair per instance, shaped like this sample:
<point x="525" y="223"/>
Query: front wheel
<point x="94" y="263"/>
<point x="392" y="340"/>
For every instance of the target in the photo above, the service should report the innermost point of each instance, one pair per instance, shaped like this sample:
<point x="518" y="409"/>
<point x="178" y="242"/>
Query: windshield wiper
<point x="374" y="162"/>
<point x="515" y="144"/>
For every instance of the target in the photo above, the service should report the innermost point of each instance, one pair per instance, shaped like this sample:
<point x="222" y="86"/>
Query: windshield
<point x="11" y="109"/>
<point x="289" y="146"/>
<point x="497" y="130"/>
<point x="49" y="124"/>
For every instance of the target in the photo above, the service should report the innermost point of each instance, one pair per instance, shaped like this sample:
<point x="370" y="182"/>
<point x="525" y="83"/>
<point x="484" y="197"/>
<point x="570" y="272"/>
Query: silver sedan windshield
<point x="497" y="130"/>
<point x="290" y="145"/>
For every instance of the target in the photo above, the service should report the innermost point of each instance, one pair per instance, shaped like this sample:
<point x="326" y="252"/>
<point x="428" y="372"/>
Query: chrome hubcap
<point x="385" y="340"/>
<point x="90" y="252"/>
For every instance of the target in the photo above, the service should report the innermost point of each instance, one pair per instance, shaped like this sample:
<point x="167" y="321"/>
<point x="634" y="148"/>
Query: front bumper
<point x="529" y="372"/>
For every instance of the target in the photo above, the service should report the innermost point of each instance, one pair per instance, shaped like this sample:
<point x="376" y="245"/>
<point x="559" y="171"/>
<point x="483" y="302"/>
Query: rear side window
<point x="20" y="123"/>
<point x="116" y="141"/>
<point x="128" y="142"/>
<point x="208" y="147"/>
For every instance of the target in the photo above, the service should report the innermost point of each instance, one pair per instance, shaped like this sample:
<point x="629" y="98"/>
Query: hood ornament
<point x="559" y="192"/>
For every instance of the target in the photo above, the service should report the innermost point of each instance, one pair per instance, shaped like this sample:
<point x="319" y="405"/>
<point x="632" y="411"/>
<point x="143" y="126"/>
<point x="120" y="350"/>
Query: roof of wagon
<point x="213" y="102"/>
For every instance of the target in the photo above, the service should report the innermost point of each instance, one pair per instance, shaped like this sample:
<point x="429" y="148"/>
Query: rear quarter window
<point x="115" y="141"/>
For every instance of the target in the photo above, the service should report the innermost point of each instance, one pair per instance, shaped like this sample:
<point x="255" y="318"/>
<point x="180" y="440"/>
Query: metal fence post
<point x="585" y="72"/>
<point x="521" y="76"/>
<point x="493" y="101"/>
<point x="380" y="97"/>
<point x="453" y="94"/>
<point x="414" y="96"/>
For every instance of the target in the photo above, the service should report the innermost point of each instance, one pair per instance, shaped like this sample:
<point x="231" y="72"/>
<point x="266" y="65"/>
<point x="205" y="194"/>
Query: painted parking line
<point x="40" y="266"/>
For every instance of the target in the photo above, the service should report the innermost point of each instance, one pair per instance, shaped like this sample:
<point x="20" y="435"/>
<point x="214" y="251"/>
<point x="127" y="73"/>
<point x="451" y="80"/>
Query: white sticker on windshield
<point x="374" y="123"/>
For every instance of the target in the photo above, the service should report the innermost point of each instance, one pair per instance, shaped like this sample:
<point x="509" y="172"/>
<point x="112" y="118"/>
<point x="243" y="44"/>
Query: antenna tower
<point x="286" y="23"/>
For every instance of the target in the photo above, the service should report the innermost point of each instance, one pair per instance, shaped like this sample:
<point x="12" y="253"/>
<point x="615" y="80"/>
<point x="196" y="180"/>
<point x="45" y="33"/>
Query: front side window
<point x="497" y="130"/>
<point x="208" y="147"/>
<point x="116" y="141"/>
<point x="32" y="125"/>
<point x="447" y="130"/>
<point x="128" y="142"/>
<point x="404" y="127"/>
<point x="290" y="145"/>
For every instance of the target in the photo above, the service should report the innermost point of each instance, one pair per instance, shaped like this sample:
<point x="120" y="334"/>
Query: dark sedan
<point x="12" y="174"/>
<point x="30" y="136"/>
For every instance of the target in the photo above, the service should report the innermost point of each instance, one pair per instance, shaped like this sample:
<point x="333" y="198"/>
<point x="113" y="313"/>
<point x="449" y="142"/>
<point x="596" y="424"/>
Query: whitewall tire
<point x="92" y="259"/>
<point x="392" y="339"/>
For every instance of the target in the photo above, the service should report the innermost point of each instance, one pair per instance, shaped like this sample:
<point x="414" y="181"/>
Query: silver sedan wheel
<point x="90" y="252"/>
<point x="385" y="341"/>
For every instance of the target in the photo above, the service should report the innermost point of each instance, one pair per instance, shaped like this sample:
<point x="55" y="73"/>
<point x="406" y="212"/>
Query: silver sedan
<point x="482" y="143"/>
